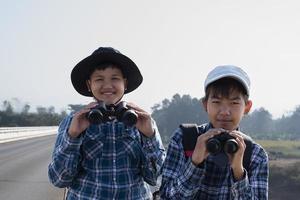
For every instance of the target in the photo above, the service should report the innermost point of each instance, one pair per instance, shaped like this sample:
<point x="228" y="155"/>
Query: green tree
<point x="75" y="107"/>
<point x="8" y="109"/>
<point x="181" y="109"/>
<point x="258" y="124"/>
<point x="290" y="125"/>
<point x="26" y="109"/>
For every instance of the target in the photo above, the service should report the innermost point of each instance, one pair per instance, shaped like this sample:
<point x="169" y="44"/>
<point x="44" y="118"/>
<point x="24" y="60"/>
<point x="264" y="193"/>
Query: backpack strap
<point x="190" y="133"/>
<point x="189" y="138"/>
<point x="248" y="152"/>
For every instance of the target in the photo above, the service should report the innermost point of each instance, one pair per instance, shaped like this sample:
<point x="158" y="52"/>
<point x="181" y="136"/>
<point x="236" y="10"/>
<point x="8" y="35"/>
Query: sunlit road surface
<point x="23" y="170"/>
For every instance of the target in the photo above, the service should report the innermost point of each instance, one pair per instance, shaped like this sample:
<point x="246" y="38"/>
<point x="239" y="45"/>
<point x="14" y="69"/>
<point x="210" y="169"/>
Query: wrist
<point x="149" y="134"/>
<point x="238" y="173"/>
<point x="197" y="162"/>
<point x="201" y="164"/>
<point x="73" y="134"/>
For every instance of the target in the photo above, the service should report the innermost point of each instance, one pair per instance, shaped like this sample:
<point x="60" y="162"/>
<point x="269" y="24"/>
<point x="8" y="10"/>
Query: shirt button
<point x="114" y="161"/>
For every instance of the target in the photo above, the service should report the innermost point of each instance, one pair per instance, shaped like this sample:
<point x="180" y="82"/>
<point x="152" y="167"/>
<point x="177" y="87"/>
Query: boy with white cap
<point x="110" y="149"/>
<point x="205" y="174"/>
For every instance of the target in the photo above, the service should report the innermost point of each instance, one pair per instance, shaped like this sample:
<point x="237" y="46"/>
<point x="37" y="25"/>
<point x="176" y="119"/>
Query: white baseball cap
<point x="228" y="71"/>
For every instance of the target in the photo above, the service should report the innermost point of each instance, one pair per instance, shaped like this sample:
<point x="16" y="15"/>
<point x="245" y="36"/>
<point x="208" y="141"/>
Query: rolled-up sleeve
<point x="65" y="157"/>
<point x="255" y="184"/>
<point x="155" y="155"/>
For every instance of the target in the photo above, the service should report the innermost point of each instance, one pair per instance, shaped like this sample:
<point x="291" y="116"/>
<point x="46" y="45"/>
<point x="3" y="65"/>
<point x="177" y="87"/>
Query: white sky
<point x="175" y="44"/>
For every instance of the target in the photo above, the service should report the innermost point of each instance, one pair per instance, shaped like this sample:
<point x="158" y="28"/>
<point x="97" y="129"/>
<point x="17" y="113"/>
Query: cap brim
<point x="229" y="75"/>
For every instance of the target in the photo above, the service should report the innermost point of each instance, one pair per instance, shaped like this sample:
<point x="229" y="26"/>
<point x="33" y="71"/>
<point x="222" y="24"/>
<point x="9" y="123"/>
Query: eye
<point x="116" y="78"/>
<point x="99" y="79"/>
<point x="235" y="102"/>
<point x="215" y="101"/>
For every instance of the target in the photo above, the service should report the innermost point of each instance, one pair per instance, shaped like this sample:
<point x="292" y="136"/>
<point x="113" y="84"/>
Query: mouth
<point x="225" y="124"/>
<point x="224" y="121"/>
<point x="108" y="93"/>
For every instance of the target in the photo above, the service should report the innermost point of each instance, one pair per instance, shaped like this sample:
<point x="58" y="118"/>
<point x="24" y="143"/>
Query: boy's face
<point x="107" y="85"/>
<point x="226" y="112"/>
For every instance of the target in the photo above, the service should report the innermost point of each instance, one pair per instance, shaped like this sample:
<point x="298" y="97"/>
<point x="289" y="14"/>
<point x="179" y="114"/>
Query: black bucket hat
<point x="83" y="69"/>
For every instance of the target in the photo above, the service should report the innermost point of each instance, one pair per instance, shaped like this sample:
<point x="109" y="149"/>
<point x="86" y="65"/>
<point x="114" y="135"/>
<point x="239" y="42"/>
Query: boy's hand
<point x="236" y="159"/>
<point x="144" y="121"/>
<point x="200" y="152"/>
<point x="79" y="122"/>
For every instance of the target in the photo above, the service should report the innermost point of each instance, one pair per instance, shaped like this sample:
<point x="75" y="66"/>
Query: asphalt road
<point x="23" y="170"/>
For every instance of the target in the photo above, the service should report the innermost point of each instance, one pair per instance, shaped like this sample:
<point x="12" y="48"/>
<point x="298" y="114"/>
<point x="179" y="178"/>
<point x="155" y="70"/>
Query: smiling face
<point x="107" y="84"/>
<point x="226" y="104"/>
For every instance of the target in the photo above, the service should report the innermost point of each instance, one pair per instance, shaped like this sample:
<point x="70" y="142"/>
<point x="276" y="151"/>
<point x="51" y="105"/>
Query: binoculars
<point x="103" y="113"/>
<point x="220" y="142"/>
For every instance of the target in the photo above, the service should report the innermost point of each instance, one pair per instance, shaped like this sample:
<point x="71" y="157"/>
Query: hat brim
<point x="82" y="70"/>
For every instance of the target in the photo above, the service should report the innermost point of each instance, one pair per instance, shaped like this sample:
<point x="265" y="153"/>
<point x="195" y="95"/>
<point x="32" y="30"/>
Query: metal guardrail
<point x="4" y="130"/>
<point x="8" y="134"/>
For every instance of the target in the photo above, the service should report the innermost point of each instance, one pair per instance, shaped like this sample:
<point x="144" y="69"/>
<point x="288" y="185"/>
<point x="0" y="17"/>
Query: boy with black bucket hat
<point x="110" y="149"/>
<point x="216" y="161"/>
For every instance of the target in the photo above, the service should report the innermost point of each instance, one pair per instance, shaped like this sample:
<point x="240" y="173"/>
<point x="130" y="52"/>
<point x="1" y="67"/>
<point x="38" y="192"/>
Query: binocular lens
<point x="213" y="146"/>
<point x="231" y="146"/>
<point x="95" y="116"/>
<point x="103" y="113"/>
<point x="129" y="118"/>
<point x="221" y="142"/>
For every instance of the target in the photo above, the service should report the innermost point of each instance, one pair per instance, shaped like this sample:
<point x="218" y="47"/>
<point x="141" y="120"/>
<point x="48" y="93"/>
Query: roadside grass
<point x="281" y="148"/>
<point x="284" y="176"/>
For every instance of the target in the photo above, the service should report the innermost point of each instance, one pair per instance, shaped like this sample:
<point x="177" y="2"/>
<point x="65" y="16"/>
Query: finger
<point x="216" y="131"/>
<point x="87" y="108"/>
<point x="82" y="112"/>
<point x="211" y="133"/>
<point x="91" y="105"/>
<point x="236" y="134"/>
<point x="135" y="107"/>
<point x="143" y="114"/>
<point x="240" y="141"/>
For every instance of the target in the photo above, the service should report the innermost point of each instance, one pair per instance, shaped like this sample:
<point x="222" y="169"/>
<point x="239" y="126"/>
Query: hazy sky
<point x="175" y="43"/>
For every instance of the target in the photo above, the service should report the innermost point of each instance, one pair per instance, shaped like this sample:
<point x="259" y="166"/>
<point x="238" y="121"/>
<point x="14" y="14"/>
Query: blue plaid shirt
<point x="181" y="179"/>
<point x="108" y="161"/>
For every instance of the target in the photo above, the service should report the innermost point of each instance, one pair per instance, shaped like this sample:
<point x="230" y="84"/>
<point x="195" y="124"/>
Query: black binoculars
<point x="103" y="113"/>
<point x="220" y="142"/>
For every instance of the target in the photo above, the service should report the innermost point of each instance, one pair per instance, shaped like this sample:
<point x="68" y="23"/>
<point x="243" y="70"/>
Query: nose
<point x="224" y="110"/>
<point x="107" y="84"/>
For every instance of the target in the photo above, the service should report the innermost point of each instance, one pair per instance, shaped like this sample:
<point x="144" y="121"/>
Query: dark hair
<point x="104" y="66"/>
<point x="224" y="87"/>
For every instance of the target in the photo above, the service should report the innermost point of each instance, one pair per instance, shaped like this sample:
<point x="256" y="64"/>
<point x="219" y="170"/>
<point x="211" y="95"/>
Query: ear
<point x="248" y="107"/>
<point x="204" y="104"/>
